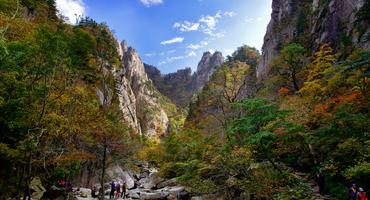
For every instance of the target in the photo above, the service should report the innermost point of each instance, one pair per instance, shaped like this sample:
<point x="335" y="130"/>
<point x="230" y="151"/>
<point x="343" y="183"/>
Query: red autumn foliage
<point x="283" y="91"/>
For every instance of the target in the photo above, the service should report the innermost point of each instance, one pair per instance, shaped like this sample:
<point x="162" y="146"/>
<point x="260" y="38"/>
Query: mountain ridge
<point x="180" y="86"/>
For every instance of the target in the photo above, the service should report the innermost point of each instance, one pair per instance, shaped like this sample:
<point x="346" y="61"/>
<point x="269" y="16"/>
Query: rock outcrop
<point x="180" y="86"/>
<point x="205" y="69"/>
<point x="140" y="102"/>
<point x="314" y="22"/>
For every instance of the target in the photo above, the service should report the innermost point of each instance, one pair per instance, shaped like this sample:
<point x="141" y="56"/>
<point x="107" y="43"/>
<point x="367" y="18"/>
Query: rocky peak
<point x="205" y="69"/>
<point x="181" y="85"/>
<point x="139" y="101"/>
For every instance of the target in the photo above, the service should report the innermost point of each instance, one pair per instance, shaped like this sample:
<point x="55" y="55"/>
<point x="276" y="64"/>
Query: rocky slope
<point x="341" y="23"/>
<point x="140" y="103"/>
<point x="176" y="86"/>
<point x="180" y="86"/>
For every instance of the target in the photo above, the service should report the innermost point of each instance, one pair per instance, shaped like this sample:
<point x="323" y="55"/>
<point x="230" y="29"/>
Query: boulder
<point x="176" y="190"/>
<point x="167" y="183"/>
<point x="116" y="173"/>
<point x="154" y="196"/>
<point x="129" y="180"/>
<point x="151" y="181"/>
<point x="134" y="194"/>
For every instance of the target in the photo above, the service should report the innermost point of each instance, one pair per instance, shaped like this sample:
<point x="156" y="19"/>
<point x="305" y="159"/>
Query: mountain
<point x="234" y="80"/>
<point x="205" y="69"/>
<point x="176" y="86"/>
<point x="140" y="103"/>
<point x="181" y="85"/>
<point x="344" y="24"/>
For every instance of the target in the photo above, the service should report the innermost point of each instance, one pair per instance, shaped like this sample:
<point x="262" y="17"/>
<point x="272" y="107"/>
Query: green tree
<point x="247" y="54"/>
<point x="289" y="64"/>
<point x="257" y="126"/>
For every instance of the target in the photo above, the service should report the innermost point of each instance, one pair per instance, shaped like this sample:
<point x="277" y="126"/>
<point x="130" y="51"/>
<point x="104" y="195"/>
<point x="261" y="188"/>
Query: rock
<point x="134" y="194"/>
<point x="154" y="196"/>
<point x="181" y="85"/>
<point x="205" y="69"/>
<point x="140" y="102"/>
<point x="176" y="86"/>
<point x="167" y="183"/>
<point x="116" y="173"/>
<point x="176" y="190"/>
<point x="37" y="187"/>
<point x="128" y="179"/>
<point x="326" y="23"/>
<point x="151" y="181"/>
<point x="197" y="198"/>
<point x="83" y="194"/>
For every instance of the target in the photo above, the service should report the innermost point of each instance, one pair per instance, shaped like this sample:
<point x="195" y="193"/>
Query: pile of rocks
<point x="146" y="185"/>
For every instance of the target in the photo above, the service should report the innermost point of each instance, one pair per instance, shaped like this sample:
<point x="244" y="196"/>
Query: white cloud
<point x="206" y="24"/>
<point x="162" y="63"/>
<point x="173" y="40"/>
<point x="72" y="9"/>
<point x="198" y="46"/>
<point x="186" y="26"/>
<point x="149" y="3"/>
<point x="211" y="51"/>
<point x="167" y="52"/>
<point x="209" y="22"/>
<point x="192" y="53"/>
<point x="193" y="46"/>
<point x="176" y="58"/>
<point x="229" y="13"/>
<point x="171" y="59"/>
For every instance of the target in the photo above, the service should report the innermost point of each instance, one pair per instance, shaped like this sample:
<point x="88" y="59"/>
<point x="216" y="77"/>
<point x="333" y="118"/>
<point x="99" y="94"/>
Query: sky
<point x="173" y="34"/>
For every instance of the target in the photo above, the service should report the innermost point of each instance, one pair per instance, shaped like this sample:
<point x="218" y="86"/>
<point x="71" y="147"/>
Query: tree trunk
<point x="20" y="170"/>
<point x="27" y="191"/>
<point x="101" y="192"/>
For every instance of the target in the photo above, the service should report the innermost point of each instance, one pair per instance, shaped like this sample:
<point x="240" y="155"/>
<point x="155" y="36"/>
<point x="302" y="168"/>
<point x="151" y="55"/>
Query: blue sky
<point x="173" y="34"/>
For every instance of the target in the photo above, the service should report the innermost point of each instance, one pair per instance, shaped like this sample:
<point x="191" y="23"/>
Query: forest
<point x="241" y="137"/>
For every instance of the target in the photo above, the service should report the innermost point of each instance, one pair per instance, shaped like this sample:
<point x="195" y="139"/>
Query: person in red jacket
<point x="361" y="195"/>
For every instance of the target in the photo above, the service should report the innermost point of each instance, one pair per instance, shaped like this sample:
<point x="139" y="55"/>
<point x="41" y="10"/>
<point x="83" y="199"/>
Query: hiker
<point x="113" y="188"/>
<point x="361" y="194"/>
<point x="320" y="182"/>
<point x="353" y="192"/>
<point x="123" y="188"/>
<point x="118" y="190"/>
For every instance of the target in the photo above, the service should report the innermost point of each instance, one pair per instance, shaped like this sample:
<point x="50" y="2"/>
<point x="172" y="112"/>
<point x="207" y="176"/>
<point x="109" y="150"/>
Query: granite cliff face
<point x="312" y="23"/>
<point x="140" y="102"/>
<point x="180" y="86"/>
<point x="205" y="69"/>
